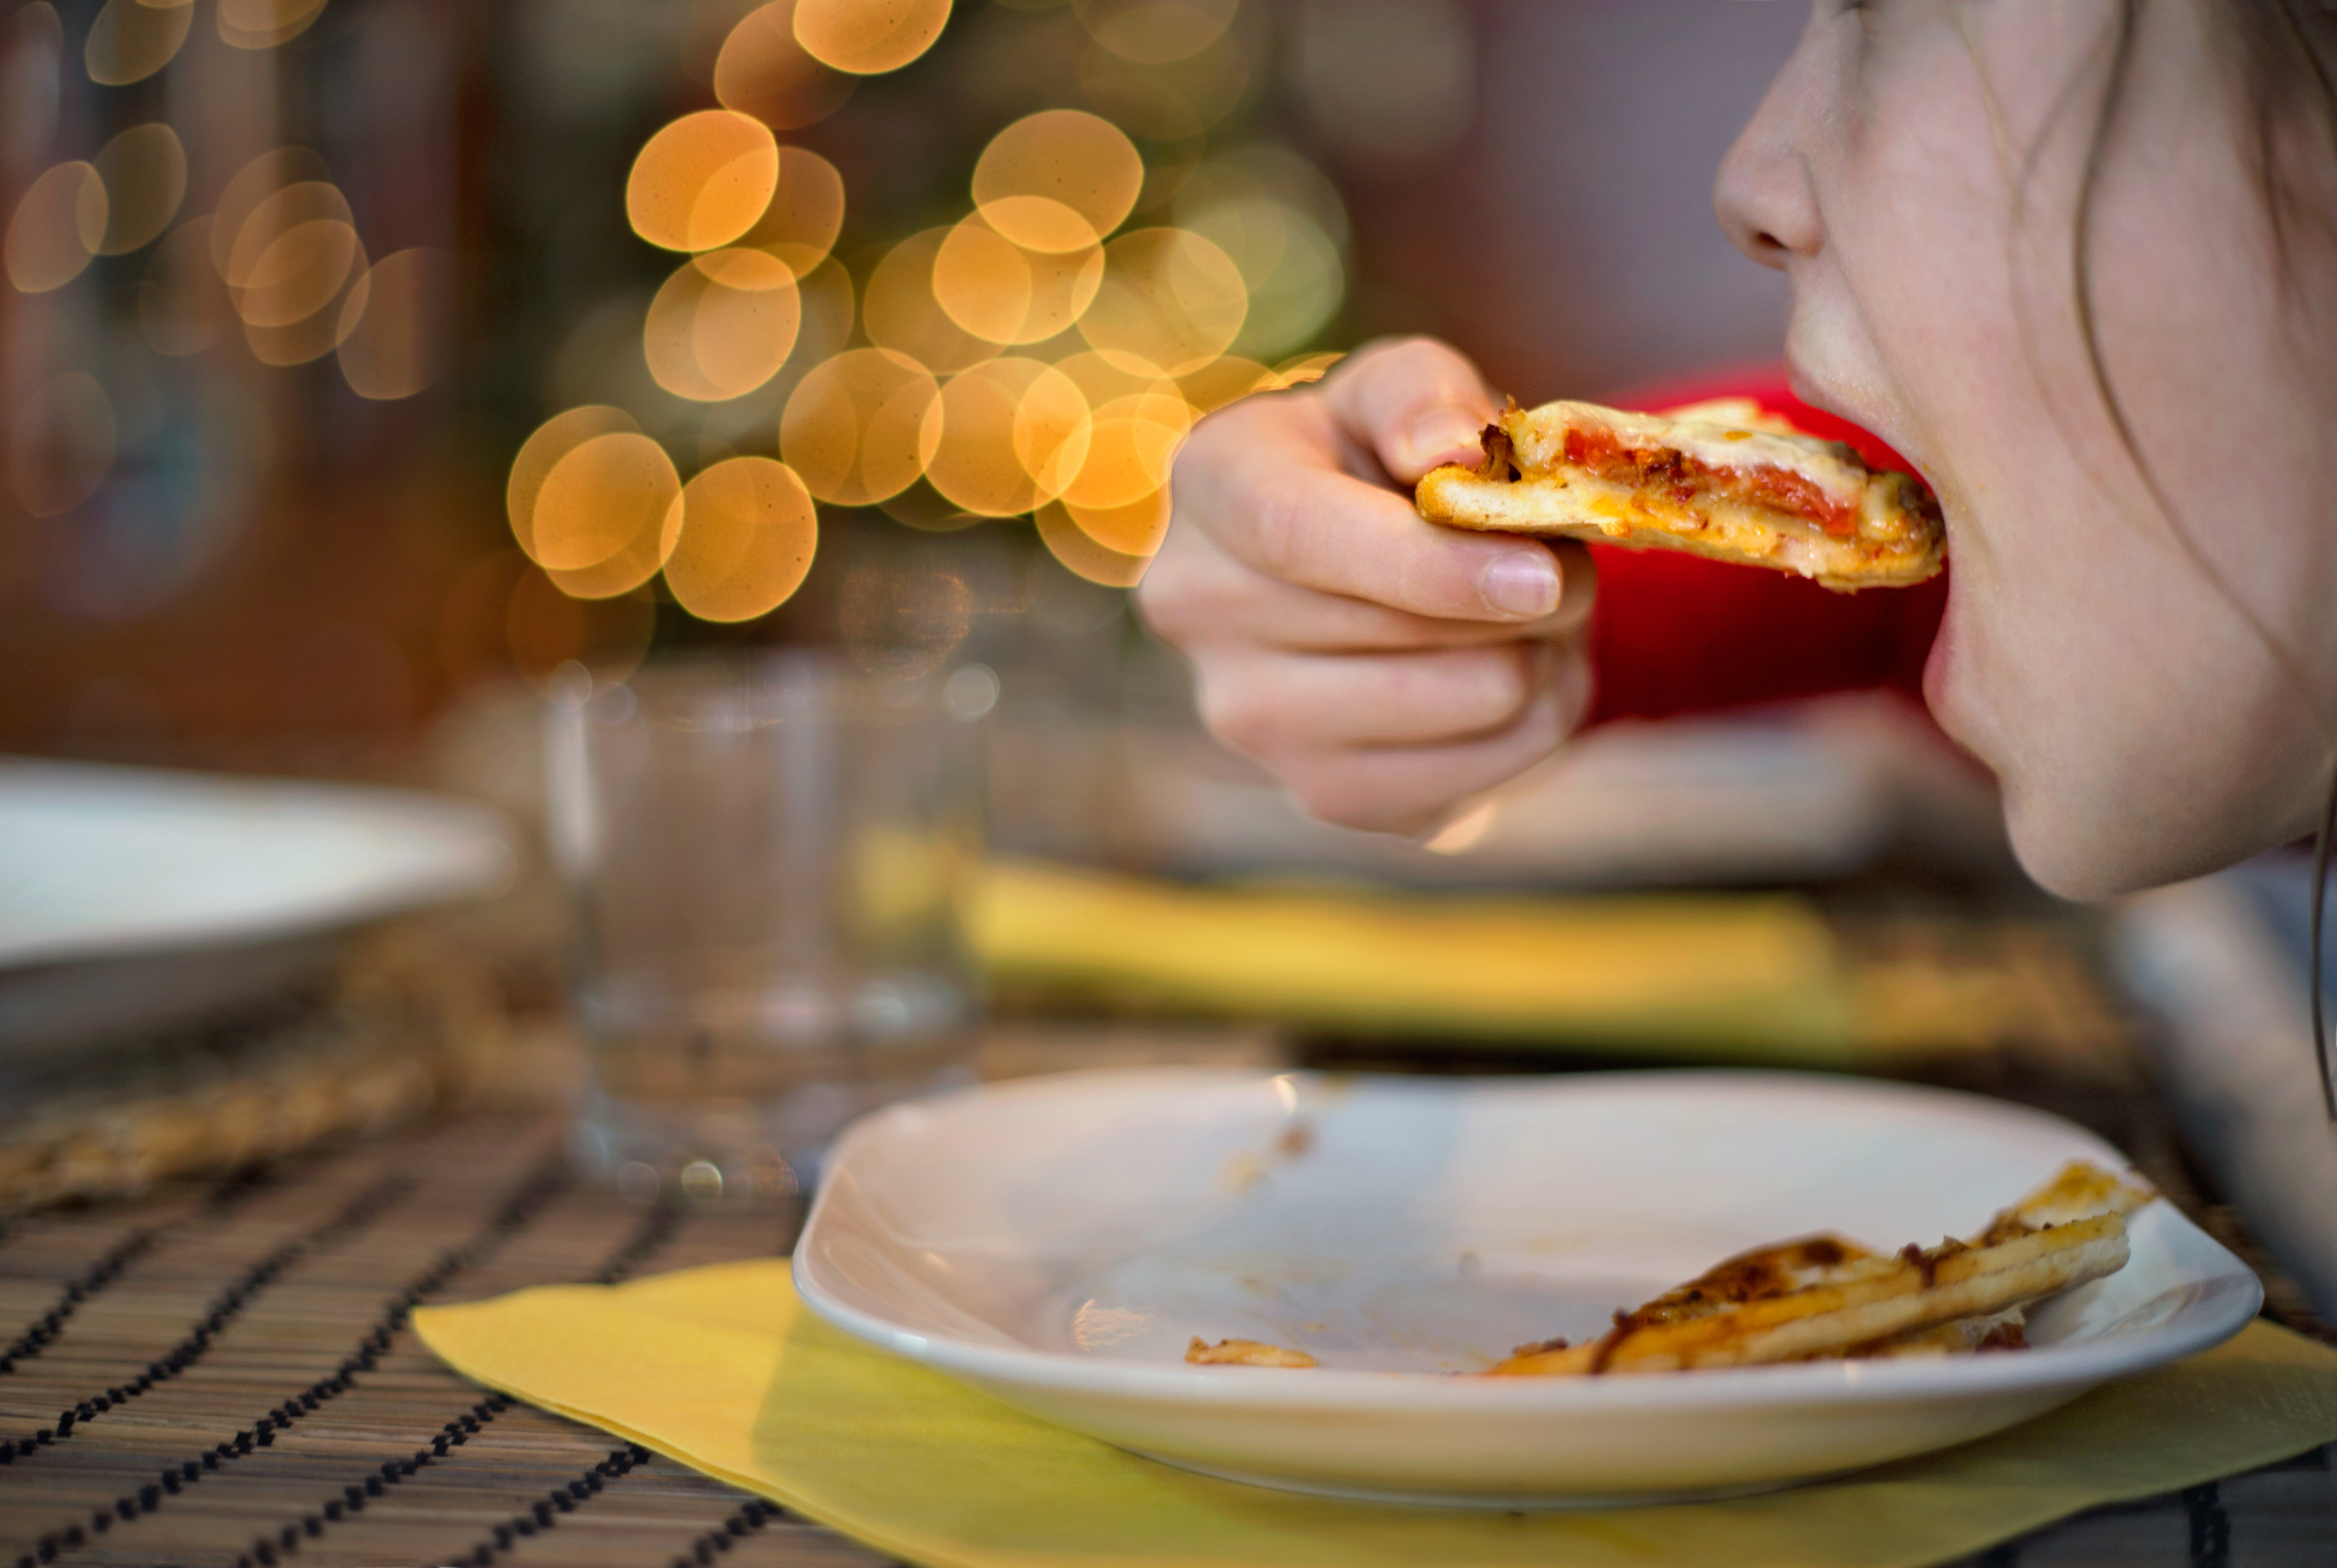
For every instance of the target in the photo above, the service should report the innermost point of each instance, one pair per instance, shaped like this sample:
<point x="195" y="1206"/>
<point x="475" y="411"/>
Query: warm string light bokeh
<point x="278" y="261"/>
<point x="1042" y="354"/>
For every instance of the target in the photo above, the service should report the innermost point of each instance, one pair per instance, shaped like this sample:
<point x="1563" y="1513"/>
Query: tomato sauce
<point x="1685" y="478"/>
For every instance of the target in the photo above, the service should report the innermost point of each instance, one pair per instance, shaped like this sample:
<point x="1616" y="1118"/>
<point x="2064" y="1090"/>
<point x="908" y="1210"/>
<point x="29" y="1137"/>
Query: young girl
<point x="2079" y="263"/>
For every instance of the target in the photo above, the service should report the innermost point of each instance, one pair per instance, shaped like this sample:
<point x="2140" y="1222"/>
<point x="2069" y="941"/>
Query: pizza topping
<point x="1500" y="459"/>
<point x="1244" y="1353"/>
<point x="1824" y="1297"/>
<point x="1726" y="480"/>
<point x="1599" y="451"/>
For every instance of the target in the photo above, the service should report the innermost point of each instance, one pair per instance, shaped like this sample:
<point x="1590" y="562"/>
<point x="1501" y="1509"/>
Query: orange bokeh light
<point x="722" y="325"/>
<point x="553" y="440"/>
<point x="273" y="170"/>
<point x="749" y="532"/>
<point x="1081" y="555"/>
<point x="57" y="227"/>
<point x="1058" y="179"/>
<point x="1001" y="293"/>
<point x="862" y="427"/>
<point x="145" y="173"/>
<point x="868" y="37"/>
<point x="1009" y="428"/>
<point x="265" y="23"/>
<point x="903" y="313"/>
<point x="702" y="180"/>
<point x="805" y="212"/>
<point x="129" y="41"/>
<point x="397" y="325"/>
<point x="295" y="252"/>
<point x="1133" y="528"/>
<point x="762" y="71"/>
<point x="1168" y="296"/>
<point x="1156" y="31"/>
<point x="607" y="514"/>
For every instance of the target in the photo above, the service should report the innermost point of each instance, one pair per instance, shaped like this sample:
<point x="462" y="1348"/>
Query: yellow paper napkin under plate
<point x="1755" y="977"/>
<point x="723" y="1369"/>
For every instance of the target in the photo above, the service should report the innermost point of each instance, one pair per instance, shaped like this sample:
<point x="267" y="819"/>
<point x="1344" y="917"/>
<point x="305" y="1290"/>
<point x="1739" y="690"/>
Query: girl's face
<point x="1918" y="170"/>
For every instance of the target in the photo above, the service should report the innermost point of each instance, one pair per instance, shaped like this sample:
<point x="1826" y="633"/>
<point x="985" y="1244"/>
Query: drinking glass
<point x="768" y="858"/>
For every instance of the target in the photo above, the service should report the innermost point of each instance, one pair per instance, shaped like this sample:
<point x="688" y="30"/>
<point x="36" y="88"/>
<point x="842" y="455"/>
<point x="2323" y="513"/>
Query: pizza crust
<point x="1823" y="1297"/>
<point x="1244" y="1353"/>
<point x="1694" y="482"/>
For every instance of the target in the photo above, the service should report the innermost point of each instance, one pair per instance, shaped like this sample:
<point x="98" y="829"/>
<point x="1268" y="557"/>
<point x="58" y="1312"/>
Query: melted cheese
<point x="1539" y="435"/>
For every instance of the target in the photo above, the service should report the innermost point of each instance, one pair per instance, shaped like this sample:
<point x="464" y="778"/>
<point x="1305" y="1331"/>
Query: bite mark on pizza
<point x="1723" y="479"/>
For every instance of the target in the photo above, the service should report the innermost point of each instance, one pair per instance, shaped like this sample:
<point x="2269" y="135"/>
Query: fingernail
<point x="1522" y="584"/>
<point x="1441" y="434"/>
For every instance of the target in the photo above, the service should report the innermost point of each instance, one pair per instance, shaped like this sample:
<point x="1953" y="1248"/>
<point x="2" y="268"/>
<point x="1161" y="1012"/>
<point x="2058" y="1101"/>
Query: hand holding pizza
<point x="1383" y="668"/>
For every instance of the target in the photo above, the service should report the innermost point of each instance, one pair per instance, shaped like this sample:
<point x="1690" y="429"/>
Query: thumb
<point x="1415" y="403"/>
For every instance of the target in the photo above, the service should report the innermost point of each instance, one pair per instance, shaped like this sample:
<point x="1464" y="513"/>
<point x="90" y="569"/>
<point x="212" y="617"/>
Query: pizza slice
<point x="1825" y="1296"/>
<point x="1722" y="479"/>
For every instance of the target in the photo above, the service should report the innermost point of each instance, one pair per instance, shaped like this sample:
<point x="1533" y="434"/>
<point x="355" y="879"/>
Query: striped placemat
<point x="224" y="1375"/>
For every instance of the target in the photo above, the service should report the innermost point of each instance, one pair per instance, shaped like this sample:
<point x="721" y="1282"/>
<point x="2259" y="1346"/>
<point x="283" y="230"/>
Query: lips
<point x="1821" y="414"/>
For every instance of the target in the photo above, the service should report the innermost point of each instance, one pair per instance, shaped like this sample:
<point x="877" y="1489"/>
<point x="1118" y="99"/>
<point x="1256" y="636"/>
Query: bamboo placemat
<point x="225" y="1376"/>
<point x="242" y="1389"/>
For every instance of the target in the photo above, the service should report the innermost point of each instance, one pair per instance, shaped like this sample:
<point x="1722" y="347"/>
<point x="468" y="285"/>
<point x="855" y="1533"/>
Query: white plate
<point x="1054" y="1242"/>
<point x="105" y="862"/>
<point x="134" y="899"/>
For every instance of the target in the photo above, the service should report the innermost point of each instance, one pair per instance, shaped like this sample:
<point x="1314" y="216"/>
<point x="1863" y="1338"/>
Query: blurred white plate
<point x="133" y="896"/>
<point x="1056" y="1242"/>
<point x="103" y="861"/>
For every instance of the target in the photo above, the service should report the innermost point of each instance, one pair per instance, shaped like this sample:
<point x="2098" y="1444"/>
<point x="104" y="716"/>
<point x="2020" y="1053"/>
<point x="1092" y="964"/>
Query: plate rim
<point x="457" y="848"/>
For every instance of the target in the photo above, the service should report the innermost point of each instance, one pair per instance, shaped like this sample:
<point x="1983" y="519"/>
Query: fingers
<point x="1287" y="703"/>
<point x="1316" y="527"/>
<point x="1414" y="789"/>
<point x="1415" y="403"/>
<point x="1381" y="667"/>
<point x="1392" y="743"/>
<point x="1197" y="593"/>
<point x="1271" y="480"/>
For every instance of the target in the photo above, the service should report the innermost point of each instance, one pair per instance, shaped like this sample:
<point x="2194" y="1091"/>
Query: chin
<point x="2110" y="843"/>
<point x="2068" y="866"/>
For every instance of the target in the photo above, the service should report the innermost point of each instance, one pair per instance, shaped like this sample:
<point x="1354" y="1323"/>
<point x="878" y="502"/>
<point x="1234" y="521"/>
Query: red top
<point x="1676" y="634"/>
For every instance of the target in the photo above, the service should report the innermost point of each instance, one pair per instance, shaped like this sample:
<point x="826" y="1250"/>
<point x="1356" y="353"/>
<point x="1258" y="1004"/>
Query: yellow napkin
<point x="1755" y="975"/>
<point x="721" y="1368"/>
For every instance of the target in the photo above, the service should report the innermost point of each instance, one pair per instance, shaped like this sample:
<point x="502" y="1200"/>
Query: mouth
<point x="1874" y="443"/>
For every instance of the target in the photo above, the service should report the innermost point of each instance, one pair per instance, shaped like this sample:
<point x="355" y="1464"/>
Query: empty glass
<point x="768" y="858"/>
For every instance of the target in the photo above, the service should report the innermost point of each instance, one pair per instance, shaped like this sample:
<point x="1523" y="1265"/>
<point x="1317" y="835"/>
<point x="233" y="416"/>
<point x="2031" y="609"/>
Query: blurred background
<point x="307" y="299"/>
<point x="371" y="371"/>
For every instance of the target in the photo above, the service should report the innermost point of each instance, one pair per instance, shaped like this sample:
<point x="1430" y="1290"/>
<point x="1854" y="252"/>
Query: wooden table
<point x="243" y="1387"/>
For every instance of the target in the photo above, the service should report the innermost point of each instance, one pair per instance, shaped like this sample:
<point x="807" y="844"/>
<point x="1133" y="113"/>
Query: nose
<point x="1764" y="196"/>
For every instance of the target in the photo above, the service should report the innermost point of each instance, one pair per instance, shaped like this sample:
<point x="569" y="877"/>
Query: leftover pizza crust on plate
<point x="1828" y="1298"/>
<point x="1060" y="1243"/>
<point x="1723" y="479"/>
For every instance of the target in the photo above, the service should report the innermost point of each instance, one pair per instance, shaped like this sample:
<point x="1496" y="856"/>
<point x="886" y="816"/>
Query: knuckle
<point x="1236" y="714"/>
<point x="1277" y="528"/>
<point x="1575" y="686"/>
<point x="1164" y="597"/>
<point x="1414" y="364"/>
<point x="1205" y="446"/>
<point x="1357" y="805"/>
<point x="1475" y="689"/>
<point x="1505" y="681"/>
<point x="1338" y="797"/>
<point x="1545" y="725"/>
<point x="1402" y="354"/>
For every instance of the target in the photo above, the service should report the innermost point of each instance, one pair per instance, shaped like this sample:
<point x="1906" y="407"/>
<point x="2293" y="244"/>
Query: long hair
<point x="2285" y="54"/>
